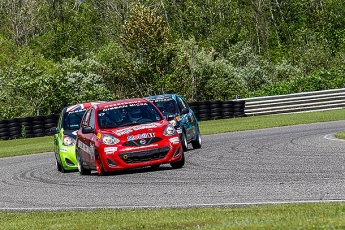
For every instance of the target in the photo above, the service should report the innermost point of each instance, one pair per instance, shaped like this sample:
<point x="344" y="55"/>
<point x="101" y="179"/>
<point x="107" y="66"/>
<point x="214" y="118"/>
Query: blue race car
<point x="65" y="136"/>
<point x="177" y="111"/>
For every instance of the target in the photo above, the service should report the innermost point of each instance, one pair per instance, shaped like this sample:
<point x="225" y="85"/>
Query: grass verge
<point x="260" y="122"/>
<point x="26" y="146"/>
<point x="283" y="216"/>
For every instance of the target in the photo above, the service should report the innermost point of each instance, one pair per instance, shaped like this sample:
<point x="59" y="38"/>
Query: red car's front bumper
<point x="126" y="157"/>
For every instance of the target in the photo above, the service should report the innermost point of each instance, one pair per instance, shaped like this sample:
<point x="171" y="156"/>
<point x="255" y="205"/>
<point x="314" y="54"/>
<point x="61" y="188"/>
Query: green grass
<point x="26" y="146"/>
<point x="340" y="135"/>
<point x="260" y="122"/>
<point x="283" y="216"/>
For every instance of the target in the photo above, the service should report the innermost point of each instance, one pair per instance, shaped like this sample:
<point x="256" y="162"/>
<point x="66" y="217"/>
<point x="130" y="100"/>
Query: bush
<point x="320" y="80"/>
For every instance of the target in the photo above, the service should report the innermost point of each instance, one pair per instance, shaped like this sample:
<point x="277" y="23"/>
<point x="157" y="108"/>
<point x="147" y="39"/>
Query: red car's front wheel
<point x="99" y="165"/>
<point x="179" y="164"/>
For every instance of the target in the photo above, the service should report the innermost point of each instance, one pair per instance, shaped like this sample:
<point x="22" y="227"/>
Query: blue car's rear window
<point x="166" y="106"/>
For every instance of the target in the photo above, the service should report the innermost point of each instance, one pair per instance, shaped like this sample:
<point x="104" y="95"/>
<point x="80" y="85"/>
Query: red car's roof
<point x="82" y="106"/>
<point x="121" y="102"/>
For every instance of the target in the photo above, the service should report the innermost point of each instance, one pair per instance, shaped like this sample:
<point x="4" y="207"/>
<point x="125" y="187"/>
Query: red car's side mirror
<point x="87" y="129"/>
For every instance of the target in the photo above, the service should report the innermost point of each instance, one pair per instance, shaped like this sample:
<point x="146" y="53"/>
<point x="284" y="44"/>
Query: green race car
<point x="65" y="136"/>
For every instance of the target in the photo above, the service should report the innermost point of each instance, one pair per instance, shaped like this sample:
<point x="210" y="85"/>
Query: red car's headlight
<point x="108" y="139"/>
<point x="169" y="130"/>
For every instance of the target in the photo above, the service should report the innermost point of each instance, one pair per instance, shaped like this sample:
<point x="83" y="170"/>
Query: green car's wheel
<point x="81" y="169"/>
<point x="63" y="170"/>
<point x="58" y="166"/>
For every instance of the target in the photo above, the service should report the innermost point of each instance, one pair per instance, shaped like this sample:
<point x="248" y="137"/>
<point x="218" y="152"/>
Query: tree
<point x="201" y="75"/>
<point x="76" y="82"/>
<point x="112" y="69"/>
<point x="31" y="81"/>
<point x="147" y="54"/>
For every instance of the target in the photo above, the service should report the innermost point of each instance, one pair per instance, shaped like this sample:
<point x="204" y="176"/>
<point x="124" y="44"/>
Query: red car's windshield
<point x="128" y="114"/>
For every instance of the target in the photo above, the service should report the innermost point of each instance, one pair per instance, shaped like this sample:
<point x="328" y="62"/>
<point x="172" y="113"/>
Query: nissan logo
<point x="142" y="141"/>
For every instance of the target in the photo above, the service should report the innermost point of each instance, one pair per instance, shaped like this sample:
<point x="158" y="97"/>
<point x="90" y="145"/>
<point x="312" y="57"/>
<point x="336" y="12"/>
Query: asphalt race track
<point x="302" y="163"/>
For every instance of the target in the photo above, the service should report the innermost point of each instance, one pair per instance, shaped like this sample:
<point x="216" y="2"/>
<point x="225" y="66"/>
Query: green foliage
<point x="29" y="82"/>
<point x="74" y="29"/>
<point x="147" y="50"/>
<point x="9" y="106"/>
<point x="217" y="78"/>
<point x="74" y="51"/>
<point x="112" y="68"/>
<point x="200" y="75"/>
<point x="284" y="70"/>
<point x="37" y="86"/>
<point x="320" y="80"/>
<point x="250" y="67"/>
<point x="9" y="52"/>
<point x="76" y="82"/>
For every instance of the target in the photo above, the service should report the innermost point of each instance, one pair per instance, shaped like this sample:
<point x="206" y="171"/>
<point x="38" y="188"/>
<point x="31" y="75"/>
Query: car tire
<point x="63" y="170"/>
<point x="184" y="142"/>
<point x="81" y="169"/>
<point x="197" y="142"/>
<point x="179" y="164"/>
<point x="99" y="166"/>
<point x="58" y="166"/>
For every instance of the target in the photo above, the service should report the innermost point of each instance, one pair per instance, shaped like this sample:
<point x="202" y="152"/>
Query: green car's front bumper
<point x="67" y="157"/>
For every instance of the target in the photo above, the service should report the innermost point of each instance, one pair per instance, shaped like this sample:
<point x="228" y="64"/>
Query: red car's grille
<point x="141" y="142"/>
<point x="145" y="155"/>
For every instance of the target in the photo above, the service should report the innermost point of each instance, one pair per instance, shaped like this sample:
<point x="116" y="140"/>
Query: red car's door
<point x="85" y="138"/>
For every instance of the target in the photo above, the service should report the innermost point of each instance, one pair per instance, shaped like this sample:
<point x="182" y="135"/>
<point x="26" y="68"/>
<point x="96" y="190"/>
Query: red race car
<point x="126" y="134"/>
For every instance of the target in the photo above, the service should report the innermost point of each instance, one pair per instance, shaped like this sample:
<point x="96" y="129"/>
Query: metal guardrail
<point x="295" y="103"/>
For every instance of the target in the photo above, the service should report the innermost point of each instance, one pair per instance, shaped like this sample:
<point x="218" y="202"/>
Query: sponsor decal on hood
<point x="128" y="130"/>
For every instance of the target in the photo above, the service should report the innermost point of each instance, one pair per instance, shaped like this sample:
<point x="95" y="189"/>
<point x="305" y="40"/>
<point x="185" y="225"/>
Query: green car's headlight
<point x="68" y="140"/>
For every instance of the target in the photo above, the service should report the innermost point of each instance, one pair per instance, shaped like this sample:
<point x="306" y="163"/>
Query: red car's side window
<point x="92" y="119"/>
<point x="86" y="118"/>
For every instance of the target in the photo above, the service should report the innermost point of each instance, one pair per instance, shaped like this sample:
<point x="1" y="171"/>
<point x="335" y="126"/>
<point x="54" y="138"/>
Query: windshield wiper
<point x="130" y="124"/>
